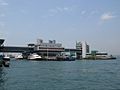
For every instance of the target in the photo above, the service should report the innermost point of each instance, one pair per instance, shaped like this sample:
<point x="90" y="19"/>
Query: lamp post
<point x="47" y="53"/>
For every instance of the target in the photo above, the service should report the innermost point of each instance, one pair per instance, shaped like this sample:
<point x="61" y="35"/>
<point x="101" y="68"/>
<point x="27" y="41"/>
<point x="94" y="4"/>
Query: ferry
<point x="34" y="56"/>
<point x="19" y="57"/>
<point x="65" y="58"/>
<point x="99" y="56"/>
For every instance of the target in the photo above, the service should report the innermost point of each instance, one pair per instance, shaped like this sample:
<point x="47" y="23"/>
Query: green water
<point x="61" y="75"/>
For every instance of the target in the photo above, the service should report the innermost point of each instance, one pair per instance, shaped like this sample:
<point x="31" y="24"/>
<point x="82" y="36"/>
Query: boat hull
<point x="6" y="62"/>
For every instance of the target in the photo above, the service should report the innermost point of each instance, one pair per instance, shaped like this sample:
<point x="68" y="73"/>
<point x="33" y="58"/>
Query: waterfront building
<point x="51" y="44"/>
<point x="87" y="48"/>
<point x="96" y="55"/>
<point x="50" y="48"/>
<point x="84" y="47"/>
<point x="78" y="45"/>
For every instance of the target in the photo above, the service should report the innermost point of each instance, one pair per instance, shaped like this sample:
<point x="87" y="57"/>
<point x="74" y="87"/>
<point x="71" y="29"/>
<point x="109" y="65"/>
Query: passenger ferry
<point x="34" y="56"/>
<point x="19" y="57"/>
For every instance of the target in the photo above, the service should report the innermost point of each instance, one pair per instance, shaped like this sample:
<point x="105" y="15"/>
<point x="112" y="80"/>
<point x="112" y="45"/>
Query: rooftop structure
<point x="51" y="44"/>
<point x="50" y="48"/>
<point x="79" y="45"/>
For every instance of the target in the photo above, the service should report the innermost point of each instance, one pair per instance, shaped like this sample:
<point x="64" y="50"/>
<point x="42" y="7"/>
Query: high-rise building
<point x="39" y="41"/>
<point x="78" y="45"/>
<point x="85" y="49"/>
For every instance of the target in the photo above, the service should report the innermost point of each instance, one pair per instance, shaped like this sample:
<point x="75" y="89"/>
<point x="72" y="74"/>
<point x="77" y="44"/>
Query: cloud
<point x="83" y="12"/>
<point x="94" y="12"/>
<point x="3" y="3"/>
<point x="53" y="12"/>
<point x="66" y="8"/>
<point x="23" y="11"/>
<point x="107" y="16"/>
<point x="2" y="24"/>
<point x="2" y="15"/>
<point x="59" y="9"/>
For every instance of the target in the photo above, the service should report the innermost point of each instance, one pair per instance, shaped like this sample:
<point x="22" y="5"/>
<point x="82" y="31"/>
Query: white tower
<point x="84" y="49"/>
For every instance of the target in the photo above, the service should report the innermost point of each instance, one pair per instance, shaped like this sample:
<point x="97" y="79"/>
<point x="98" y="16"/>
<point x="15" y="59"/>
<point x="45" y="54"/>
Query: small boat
<point x="65" y="58"/>
<point x="18" y="57"/>
<point x="6" y="61"/>
<point x="34" y="56"/>
<point x="1" y="60"/>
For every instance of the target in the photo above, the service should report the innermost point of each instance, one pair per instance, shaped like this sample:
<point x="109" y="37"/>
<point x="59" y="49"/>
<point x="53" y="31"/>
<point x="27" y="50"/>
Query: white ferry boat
<point x="34" y="56"/>
<point x="19" y="57"/>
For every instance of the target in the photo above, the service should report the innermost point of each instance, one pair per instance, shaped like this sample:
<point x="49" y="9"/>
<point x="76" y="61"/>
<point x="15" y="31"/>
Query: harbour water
<point x="61" y="75"/>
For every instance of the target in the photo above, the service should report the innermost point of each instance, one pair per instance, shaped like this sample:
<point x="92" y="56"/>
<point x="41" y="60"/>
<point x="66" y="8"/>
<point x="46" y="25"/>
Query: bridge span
<point x="15" y="49"/>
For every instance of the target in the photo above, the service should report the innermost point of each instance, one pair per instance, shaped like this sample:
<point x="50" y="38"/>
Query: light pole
<point x="47" y="53"/>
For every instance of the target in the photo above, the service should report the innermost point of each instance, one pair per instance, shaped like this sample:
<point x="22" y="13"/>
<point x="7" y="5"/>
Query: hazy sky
<point x="67" y="21"/>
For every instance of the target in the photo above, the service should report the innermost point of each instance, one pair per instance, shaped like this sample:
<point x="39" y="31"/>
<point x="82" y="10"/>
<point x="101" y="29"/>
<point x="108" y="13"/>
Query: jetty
<point x="51" y="49"/>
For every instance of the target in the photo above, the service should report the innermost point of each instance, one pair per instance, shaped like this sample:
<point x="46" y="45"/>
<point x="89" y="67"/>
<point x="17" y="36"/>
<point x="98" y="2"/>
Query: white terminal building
<point x="50" y="44"/>
<point x="84" y="47"/>
<point x="50" y="48"/>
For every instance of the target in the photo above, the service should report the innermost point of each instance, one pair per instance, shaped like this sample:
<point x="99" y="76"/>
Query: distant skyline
<point x="95" y="21"/>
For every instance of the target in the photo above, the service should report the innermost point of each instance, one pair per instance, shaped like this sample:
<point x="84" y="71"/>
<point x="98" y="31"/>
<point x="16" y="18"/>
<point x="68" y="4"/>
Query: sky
<point x="95" y="21"/>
